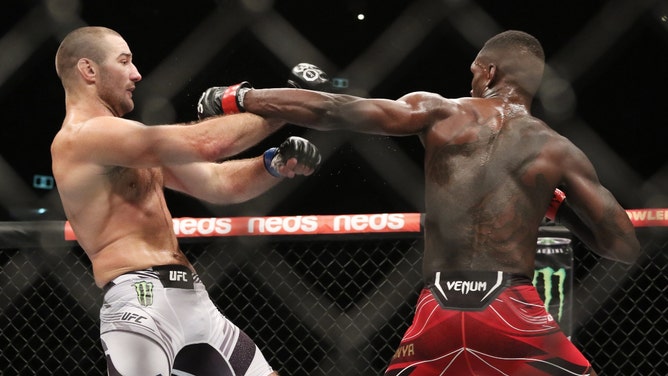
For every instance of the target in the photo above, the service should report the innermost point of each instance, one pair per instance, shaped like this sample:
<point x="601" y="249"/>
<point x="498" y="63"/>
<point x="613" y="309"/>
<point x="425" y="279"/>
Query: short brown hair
<point x="83" y="42"/>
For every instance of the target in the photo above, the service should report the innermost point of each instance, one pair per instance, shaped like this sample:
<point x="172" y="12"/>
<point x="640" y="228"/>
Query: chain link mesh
<point x="319" y="306"/>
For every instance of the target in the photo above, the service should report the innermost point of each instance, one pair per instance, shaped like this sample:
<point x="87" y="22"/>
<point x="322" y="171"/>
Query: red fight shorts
<point x="484" y="323"/>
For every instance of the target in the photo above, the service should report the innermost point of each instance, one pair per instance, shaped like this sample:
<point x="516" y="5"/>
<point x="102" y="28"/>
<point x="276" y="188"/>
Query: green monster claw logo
<point x="548" y="273"/>
<point x="144" y="292"/>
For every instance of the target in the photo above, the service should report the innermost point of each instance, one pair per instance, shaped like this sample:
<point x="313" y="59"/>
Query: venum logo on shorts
<point x="469" y="290"/>
<point x="144" y="292"/>
<point x="464" y="287"/>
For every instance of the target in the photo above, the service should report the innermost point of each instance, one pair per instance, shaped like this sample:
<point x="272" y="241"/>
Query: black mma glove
<point x="309" y="76"/>
<point x="220" y="100"/>
<point x="293" y="147"/>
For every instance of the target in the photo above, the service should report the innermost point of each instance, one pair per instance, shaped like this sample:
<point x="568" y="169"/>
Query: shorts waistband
<point x="506" y="279"/>
<point x="170" y="276"/>
<point x="471" y="290"/>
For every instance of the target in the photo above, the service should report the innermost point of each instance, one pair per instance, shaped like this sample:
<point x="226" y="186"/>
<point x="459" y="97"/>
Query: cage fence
<point x="327" y="304"/>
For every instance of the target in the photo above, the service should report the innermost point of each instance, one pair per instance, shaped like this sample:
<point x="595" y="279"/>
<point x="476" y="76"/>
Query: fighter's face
<point x="118" y="76"/>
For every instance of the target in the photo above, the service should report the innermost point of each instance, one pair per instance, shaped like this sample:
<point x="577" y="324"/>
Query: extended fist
<point x="309" y="76"/>
<point x="220" y="100"/>
<point x="295" y="156"/>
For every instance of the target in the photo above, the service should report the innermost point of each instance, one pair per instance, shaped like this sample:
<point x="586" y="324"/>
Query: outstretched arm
<point x="114" y="141"/>
<point x="312" y="103"/>
<point x="322" y="110"/>
<point x="329" y="111"/>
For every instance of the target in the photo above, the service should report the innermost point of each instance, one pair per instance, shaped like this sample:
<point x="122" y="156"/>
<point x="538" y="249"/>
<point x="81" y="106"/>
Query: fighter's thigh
<point x="131" y="354"/>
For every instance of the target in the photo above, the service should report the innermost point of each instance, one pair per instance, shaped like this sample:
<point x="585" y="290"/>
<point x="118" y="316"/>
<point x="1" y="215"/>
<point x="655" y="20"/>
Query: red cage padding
<point x="21" y="234"/>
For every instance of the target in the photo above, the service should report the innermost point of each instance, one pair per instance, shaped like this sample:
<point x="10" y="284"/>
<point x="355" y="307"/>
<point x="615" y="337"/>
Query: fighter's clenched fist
<point x="295" y="156"/>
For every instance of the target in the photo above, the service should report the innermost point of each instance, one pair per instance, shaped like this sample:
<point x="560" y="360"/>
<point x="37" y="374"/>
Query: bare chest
<point x="135" y="184"/>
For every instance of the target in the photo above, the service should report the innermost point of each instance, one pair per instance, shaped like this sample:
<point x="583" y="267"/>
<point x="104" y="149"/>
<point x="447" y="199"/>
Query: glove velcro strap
<point x="269" y="156"/>
<point x="232" y="99"/>
<point x="228" y="102"/>
<point x="557" y="199"/>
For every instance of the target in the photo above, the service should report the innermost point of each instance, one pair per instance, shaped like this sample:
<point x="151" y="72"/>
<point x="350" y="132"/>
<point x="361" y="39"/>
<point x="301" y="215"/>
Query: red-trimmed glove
<point x="557" y="199"/>
<point x="220" y="100"/>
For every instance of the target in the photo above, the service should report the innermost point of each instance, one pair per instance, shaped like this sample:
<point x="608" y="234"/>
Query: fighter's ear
<point x="87" y="69"/>
<point x="491" y="75"/>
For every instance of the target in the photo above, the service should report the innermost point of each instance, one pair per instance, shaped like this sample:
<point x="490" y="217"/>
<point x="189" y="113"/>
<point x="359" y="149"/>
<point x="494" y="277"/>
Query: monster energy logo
<point x="144" y="292"/>
<point x="548" y="273"/>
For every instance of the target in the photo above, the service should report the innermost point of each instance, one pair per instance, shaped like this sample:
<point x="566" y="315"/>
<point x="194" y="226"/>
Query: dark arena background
<point x="336" y="302"/>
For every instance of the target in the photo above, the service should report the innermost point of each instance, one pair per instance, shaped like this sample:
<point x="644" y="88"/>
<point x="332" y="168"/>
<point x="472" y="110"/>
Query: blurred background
<point x="334" y="305"/>
<point x="604" y="89"/>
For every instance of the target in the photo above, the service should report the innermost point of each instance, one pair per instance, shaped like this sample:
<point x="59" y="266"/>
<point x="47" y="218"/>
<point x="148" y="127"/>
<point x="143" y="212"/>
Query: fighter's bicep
<point x="379" y="116"/>
<point x="408" y="115"/>
<point x="112" y="141"/>
<point x="125" y="143"/>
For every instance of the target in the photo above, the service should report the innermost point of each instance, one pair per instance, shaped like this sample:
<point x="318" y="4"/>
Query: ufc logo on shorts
<point x="177" y="276"/>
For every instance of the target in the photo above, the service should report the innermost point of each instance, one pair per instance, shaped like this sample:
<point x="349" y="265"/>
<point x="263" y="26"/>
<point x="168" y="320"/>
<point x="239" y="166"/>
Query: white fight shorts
<point x="161" y="321"/>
